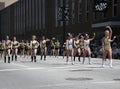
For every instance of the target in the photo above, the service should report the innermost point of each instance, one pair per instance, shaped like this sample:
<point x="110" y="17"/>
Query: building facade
<point x="45" y="17"/>
<point x="111" y="17"/>
<point x="2" y="5"/>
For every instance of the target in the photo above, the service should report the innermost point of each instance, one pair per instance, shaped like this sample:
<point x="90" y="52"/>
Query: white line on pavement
<point x="56" y="85"/>
<point x="9" y="70"/>
<point x="104" y="82"/>
<point x="6" y="70"/>
<point x="19" y="65"/>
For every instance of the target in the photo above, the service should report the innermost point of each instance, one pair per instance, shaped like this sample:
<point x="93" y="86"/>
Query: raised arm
<point x="103" y="44"/>
<point x="38" y="44"/>
<point x="110" y="30"/>
<point x="113" y="38"/>
<point x="78" y="35"/>
<point x="47" y="40"/>
<point x="67" y="44"/>
<point x="92" y="37"/>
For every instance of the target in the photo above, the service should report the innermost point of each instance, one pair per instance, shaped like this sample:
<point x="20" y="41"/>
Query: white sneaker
<point x="67" y="63"/>
<point x="110" y="63"/>
<point x="103" y="66"/>
<point x="73" y="63"/>
<point x="90" y="63"/>
<point x="111" y="66"/>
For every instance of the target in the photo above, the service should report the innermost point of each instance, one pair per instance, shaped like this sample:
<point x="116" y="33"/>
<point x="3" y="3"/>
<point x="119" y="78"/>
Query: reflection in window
<point x="73" y="11"/>
<point x="87" y="9"/>
<point x="67" y="9"/>
<point x="79" y="11"/>
<point x="59" y="12"/>
<point x="43" y="13"/>
<point x="59" y="8"/>
<point x="94" y="16"/>
<point x="115" y="7"/>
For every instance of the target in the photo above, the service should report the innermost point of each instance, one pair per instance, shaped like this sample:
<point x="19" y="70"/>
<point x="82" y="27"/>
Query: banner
<point x="100" y="5"/>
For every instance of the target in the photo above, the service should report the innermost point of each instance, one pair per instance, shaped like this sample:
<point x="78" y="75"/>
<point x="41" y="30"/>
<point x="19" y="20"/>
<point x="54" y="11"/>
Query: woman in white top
<point x="34" y="45"/>
<point x="69" y="48"/>
<point x="87" y="47"/>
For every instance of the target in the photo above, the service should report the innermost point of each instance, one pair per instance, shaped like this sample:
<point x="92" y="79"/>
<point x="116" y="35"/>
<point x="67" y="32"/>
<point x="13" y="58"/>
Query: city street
<point x="54" y="73"/>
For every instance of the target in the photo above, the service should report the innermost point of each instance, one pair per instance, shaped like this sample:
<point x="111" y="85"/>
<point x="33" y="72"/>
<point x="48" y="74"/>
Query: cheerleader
<point x="8" y="47"/>
<point x="57" y="48"/>
<point x="34" y="45"/>
<point x="106" y="45"/>
<point x="87" y="47"/>
<point x="27" y="48"/>
<point x="82" y="47"/>
<point x="69" y="48"/>
<point x="52" y="48"/>
<point x="43" y="47"/>
<point x="77" y="48"/>
<point x="2" y="48"/>
<point x="15" y="45"/>
<point x="22" y="48"/>
<point x="64" y="49"/>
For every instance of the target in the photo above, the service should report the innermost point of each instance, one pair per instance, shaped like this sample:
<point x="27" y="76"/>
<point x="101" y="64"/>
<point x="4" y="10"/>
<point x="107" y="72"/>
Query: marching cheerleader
<point x="87" y="47"/>
<point x="106" y="45"/>
<point x="43" y="47"/>
<point x="15" y="45"/>
<point x="2" y="48"/>
<point x="8" y="47"/>
<point x="27" y="48"/>
<point x="57" y="48"/>
<point x="77" y="48"/>
<point x="52" y="48"/>
<point x="22" y="48"/>
<point x="64" y="50"/>
<point x="82" y="47"/>
<point x="69" y="48"/>
<point x="34" y="45"/>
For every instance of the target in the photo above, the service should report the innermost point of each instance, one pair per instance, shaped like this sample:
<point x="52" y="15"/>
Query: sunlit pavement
<point x="54" y="73"/>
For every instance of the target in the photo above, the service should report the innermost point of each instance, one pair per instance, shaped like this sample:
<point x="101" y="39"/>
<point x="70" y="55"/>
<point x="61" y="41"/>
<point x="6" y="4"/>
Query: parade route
<point x="54" y="73"/>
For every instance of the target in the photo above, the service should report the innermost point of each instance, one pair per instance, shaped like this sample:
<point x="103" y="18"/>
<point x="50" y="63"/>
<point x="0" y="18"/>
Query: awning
<point x="103" y="24"/>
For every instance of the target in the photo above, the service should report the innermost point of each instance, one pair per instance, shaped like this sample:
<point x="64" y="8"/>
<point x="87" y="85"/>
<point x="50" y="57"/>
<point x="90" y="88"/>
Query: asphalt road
<point x="54" y="73"/>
